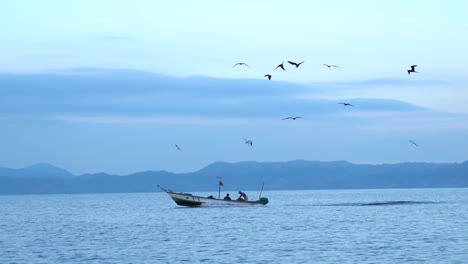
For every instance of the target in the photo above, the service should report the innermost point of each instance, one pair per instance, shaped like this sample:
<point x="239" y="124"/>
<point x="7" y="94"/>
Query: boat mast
<point x="220" y="183"/>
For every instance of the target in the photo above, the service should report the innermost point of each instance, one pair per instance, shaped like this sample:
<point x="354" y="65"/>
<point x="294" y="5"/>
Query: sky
<point x="111" y="86"/>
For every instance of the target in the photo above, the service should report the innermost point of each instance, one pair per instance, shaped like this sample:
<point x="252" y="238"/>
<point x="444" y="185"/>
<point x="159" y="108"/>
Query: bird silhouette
<point x="178" y="148"/>
<point x="412" y="142"/>
<point x="240" y="64"/>
<point x="293" y="118"/>
<point x="412" y="69"/>
<point x="346" y="104"/>
<point x="248" y="142"/>
<point x="331" y="65"/>
<point x="295" y="63"/>
<point x="268" y="76"/>
<point x="280" y="66"/>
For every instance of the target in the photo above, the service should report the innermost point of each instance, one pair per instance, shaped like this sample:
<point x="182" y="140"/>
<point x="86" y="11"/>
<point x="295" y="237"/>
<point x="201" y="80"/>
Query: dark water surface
<point x="333" y="226"/>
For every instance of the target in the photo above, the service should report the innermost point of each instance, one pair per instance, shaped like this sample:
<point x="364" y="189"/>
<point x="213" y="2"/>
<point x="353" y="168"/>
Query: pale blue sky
<point x="371" y="38"/>
<point x="373" y="41"/>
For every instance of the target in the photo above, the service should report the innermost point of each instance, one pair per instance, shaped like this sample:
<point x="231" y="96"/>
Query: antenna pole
<point x="219" y="187"/>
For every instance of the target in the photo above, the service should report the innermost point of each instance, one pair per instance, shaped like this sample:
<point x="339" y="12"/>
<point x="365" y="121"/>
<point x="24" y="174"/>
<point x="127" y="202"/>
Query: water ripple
<point x="385" y="226"/>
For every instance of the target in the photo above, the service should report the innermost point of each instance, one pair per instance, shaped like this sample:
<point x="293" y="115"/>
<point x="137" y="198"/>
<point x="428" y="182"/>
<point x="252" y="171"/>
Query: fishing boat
<point x="188" y="199"/>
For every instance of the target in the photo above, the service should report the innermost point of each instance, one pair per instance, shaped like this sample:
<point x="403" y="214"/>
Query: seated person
<point x="227" y="197"/>
<point x="211" y="197"/>
<point x="242" y="197"/>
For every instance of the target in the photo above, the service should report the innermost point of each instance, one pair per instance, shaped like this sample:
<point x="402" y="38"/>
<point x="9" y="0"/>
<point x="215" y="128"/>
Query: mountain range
<point x="292" y="175"/>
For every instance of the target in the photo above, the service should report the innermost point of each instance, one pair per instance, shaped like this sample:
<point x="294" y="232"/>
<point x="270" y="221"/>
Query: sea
<point x="310" y="226"/>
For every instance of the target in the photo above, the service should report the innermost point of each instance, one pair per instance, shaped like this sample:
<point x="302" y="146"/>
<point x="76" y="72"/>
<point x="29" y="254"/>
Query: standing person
<point x="242" y="196"/>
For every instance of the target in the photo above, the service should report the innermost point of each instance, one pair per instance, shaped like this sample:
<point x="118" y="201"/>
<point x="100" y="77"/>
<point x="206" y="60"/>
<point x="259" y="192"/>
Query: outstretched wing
<point x="280" y="66"/>
<point x="240" y="63"/>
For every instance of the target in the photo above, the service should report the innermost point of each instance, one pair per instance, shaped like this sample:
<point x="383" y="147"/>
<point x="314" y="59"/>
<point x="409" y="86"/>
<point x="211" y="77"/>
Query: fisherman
<point x="227" y="197"/>
<point x="242" y="196"/>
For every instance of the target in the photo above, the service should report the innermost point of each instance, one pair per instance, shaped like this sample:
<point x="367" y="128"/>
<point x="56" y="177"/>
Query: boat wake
<point x="381" y="203"/>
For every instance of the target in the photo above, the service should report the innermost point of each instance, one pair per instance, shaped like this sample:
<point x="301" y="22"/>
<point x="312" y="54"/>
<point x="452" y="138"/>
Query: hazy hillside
<point x="47" y="179"/>
<point x="41" y="170"/>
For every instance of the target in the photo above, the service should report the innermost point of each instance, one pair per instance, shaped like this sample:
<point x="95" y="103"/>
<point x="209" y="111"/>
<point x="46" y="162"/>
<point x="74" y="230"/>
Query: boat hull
<point x="187" y="199"/>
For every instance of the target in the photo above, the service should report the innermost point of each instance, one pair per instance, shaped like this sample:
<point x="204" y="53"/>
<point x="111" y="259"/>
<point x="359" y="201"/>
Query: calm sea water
<point x="333" y="226"/>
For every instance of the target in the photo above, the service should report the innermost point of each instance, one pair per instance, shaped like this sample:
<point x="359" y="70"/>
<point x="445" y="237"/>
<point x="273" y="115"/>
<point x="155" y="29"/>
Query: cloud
<point x="128" y="96"/>
<point x="385" y="82"/>
<point x="110" y="116"/>
<point x="158" y="120"/>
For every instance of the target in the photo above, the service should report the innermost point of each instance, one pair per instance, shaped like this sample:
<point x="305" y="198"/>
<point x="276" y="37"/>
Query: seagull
<point x="240" y="64"/>
<point x="331" y="65"/>
<point x="280" y="66"/>
<point x="248" y="142"/>
<point x="346" y="104"/>
<point x="268" y="76"/>
<point x="293" y="118"/>
<point x="295" y="63"/>
<point x="412" y="69"/>
<point x="412" y="142"/>
<point x="178" y="148"/>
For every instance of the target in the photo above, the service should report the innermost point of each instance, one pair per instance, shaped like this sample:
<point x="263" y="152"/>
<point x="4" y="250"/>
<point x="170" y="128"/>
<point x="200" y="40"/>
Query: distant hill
<point x="292" y="175"/>
<point x="41" y="170"/>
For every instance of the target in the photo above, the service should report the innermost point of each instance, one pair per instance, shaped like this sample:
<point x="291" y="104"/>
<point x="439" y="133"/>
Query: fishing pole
<point x="260" y="196"/>
<point x="162" y="188"/>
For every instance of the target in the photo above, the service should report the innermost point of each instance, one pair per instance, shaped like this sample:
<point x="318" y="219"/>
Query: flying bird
<point x="346" y="104"/>
<point x="331" y="65"/>
<point x="412" y="142"/>
<point x="240" y="64"/>
<point x="280" y="66"/>
<point x="293" y="118"/>
<point x="178" y="148"/>
<point x="268" y="76"/>
<point x="295" y="63"/>
<point x="412" y="69"/>
<point x="248" y="142"/>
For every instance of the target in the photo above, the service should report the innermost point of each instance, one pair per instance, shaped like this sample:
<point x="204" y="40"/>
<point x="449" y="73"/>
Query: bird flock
<point x="249" y="142"/>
